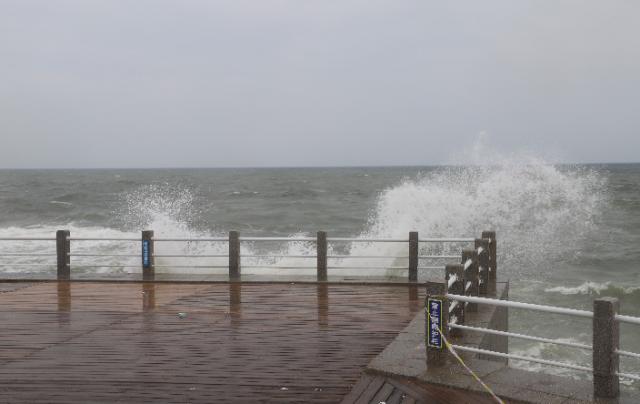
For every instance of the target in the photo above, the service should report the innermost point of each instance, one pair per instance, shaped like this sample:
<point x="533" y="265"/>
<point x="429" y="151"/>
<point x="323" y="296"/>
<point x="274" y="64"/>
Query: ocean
<point x="566" y="233"/>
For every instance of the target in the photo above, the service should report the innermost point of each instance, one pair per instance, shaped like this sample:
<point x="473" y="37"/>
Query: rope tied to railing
<point x="468" y="263"/>
<point x="449" y="346"/>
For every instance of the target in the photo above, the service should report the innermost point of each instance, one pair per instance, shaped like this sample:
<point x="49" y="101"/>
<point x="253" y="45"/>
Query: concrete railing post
<point x="606" y="340"/>
<point x="454" y="275"/>
<point x="234" y="256"/>
<point x="63" y="249"/>
<point x="493" y="259"/>
<point x="470" y="265"/>
<point x="413" y="256"/>
<point x="435" y="311"/>
<point x="482" y="248"/>
<point x="321" y="255"/>
<point x="148" y="256"/>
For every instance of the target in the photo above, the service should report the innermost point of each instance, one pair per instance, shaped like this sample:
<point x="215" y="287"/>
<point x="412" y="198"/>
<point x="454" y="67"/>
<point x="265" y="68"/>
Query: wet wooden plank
<point x="372" y="389"/>
<point x="375" y="388"/>
<point x="70" y="342"/>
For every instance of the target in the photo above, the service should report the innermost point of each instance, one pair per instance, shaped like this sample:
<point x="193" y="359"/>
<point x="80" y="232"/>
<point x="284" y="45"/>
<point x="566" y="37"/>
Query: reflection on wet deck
<point x="66" y="342"/>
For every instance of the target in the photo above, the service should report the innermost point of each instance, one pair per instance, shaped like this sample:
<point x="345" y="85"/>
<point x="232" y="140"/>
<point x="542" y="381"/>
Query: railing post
<point x="413" y="256"/>
<point x="321" y="254"/>
<point x="63" y="249"/>
<point x="482" y="248"/>
<point x="606" y="340"/>
<point x="493" y="259"/>
<point x="234" y="256"/>
<point x="435" y="311"/>
<point x="454" y="285"/>
<point x="470" y="265"/>
<point x="148" y="258"/>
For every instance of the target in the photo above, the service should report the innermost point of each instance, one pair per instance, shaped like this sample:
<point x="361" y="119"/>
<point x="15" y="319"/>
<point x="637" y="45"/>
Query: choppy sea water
<point x="567" y="234"/>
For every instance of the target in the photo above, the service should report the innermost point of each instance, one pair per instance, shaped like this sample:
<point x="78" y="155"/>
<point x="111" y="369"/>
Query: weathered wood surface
<point x="110" y="342"/>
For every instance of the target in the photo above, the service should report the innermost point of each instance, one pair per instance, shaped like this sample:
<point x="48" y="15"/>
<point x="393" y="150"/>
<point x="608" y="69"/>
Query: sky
<point x="209" y="83"/>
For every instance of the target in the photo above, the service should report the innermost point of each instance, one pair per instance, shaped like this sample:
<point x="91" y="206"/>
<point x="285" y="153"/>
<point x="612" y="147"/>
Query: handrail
<point x="627" y="319"/>
<point x="27" y="239"/>
<point x="369" y="240"/>
<point x="102" y="239"/>
<point x="628" y="376"/>
<point x="190" y="256"/>
<point x="367" y="256"/>
<point x="191" y="266"/>
<point x="224" y="239"/>
<point x="521" y="336"/>
<point x="446" y="240"/>
<point x="518" y="305"/>
<point x="292" y="239"/>
<point x="26" y="255"/>
<point x="627" y="353"/>
<point x="220" y="239"/>
<point x="103" y="255"/>
<point x="523" y="358"/>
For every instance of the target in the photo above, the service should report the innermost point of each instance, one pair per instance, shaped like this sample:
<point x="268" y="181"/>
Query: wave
<point x="540" y="211"/>
<point x="555" y="353"/>
<point x="61" y="203"/>
<point x="595" y="288"/>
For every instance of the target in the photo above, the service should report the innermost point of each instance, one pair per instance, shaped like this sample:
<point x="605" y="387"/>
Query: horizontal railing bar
<point x="278" y="267"/>
<point x="518" y="305"/>
<point x="26" y="255"/>
<point x="439" y="256"/>
<point x="521" y="336"/>
<point x="365" y="256"/>
<point x="434" y="267"/>
<point x="523" y="358"/>
<point x="102" y="239"/>
<point x="446" y="240"/>
<point x="80" y="265"/>
<point x="219" y="239"/>
<point x="103" y="255"/>
<point x="366" y="267"/>
<point x="27" y="265"/>
<point x="627" y="319"/>
<point x="292" y="239"/>
<point x="27" y="239"/>
<point x="367" y="240"/>
<point x="628" y="376"/>
<point x="279" y="256"/>
<point x="191" y="266"/>
<point x="629" y="354"/>
<point x="189" y="256"/>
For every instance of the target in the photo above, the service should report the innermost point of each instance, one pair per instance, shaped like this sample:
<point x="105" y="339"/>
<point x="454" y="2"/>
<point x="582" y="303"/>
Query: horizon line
<point x="291" y="166"/>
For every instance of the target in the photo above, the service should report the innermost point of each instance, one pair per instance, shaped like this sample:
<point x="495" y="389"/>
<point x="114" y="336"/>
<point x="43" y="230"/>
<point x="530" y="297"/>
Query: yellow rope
<point x="471" y="372"/>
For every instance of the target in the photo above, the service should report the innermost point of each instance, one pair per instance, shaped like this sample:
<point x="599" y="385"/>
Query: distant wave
<point x="595" y="288"/>
<point x="61" y="203"/>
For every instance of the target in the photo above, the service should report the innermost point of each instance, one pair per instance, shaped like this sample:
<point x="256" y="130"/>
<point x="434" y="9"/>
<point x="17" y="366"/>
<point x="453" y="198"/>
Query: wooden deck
<point x="375" y="389"/>
<point x="187" y="343"/>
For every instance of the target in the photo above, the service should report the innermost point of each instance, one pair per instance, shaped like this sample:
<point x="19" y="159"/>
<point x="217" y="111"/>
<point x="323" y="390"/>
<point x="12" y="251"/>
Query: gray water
<point x="566" y="234"/>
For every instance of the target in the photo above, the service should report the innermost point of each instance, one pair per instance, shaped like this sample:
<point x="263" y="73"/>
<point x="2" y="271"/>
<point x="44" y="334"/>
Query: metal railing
<point x="419" y="257"/>
<point x="463" y="291"/>
<point x="610" y="344"/>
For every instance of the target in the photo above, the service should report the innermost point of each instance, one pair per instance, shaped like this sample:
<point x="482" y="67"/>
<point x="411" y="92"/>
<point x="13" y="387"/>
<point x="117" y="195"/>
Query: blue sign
<point x="146" y="262"/>
<point x="434" y="308"/>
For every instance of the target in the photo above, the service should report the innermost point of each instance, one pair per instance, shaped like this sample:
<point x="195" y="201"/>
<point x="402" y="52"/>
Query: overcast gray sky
<point x="184" y="83"/>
